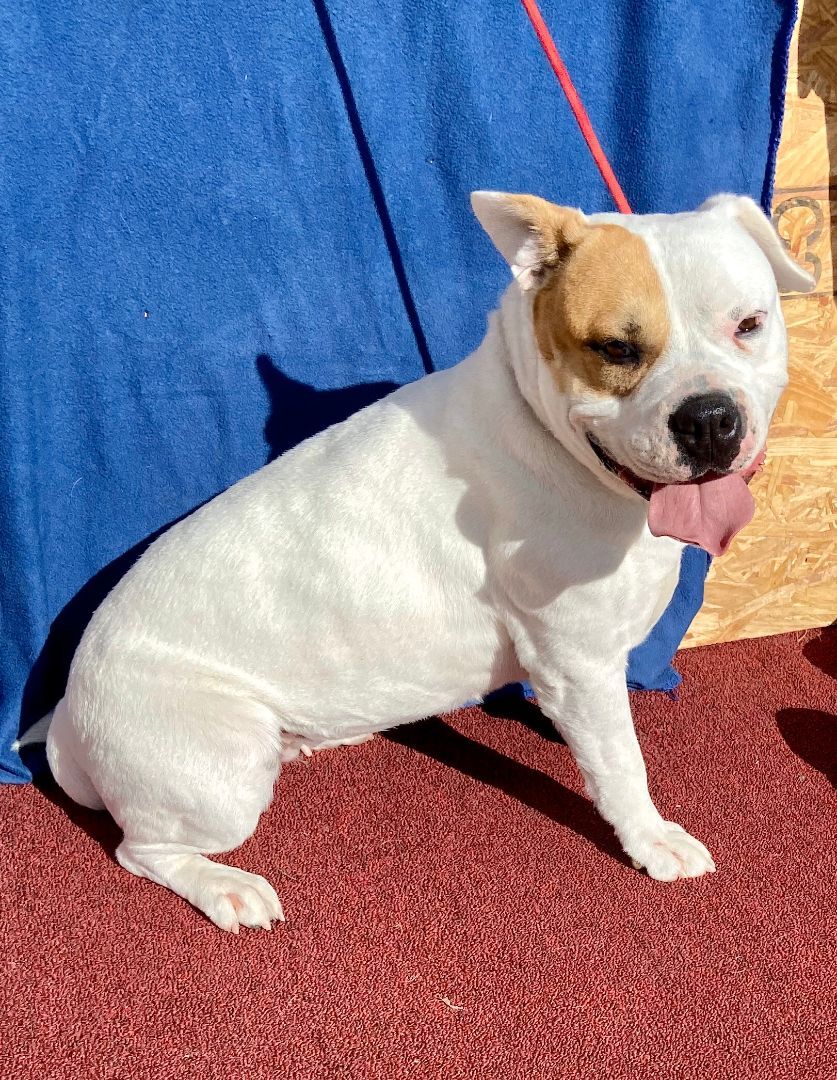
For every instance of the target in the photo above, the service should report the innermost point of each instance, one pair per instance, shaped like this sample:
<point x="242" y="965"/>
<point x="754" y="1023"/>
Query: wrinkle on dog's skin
<point x="607" y="288"/>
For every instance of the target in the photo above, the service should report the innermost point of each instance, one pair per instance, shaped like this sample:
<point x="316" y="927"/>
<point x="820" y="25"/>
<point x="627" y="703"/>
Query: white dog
<point x="521" y="515"/>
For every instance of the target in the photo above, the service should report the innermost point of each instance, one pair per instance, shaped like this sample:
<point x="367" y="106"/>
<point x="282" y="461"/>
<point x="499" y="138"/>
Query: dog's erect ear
<point x="790" y="277"/>
<point x="531" y="234"/>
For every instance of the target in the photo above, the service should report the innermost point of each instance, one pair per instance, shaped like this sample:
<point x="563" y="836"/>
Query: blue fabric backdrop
<point x="224" y="226"/>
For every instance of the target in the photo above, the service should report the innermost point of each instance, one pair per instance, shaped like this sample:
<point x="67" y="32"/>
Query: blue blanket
<point x="225" y="226"/>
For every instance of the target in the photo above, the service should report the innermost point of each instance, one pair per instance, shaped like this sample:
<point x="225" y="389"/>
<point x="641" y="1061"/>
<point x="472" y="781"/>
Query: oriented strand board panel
<point x="781" y="573"/>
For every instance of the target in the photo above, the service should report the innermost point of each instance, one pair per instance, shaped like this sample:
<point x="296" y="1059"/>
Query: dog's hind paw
<point x="232" y="898"/>
<point x="668" y="852"/>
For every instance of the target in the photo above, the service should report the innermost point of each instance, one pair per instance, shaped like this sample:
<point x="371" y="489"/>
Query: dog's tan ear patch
<point x="532" y="234"/>
<point x="607" y="291"/>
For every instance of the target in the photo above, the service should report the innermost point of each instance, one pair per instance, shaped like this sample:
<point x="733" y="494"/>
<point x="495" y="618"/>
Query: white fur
<point x="454" y="537"/>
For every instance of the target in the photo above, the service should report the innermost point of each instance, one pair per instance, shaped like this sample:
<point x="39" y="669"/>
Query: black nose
<point x="708" y="429"/>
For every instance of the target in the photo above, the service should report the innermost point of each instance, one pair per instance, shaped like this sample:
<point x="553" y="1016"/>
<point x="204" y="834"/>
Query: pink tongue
<point x="708" y="512"/>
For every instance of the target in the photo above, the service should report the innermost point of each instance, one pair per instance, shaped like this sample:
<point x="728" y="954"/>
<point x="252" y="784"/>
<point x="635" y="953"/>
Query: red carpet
<point x="457" y="910"/>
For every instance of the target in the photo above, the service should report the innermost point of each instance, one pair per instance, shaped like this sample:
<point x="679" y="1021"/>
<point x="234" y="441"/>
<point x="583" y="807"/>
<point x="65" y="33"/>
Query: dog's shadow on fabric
<point x="298" y="411"/>
<point x="439" y="740"/>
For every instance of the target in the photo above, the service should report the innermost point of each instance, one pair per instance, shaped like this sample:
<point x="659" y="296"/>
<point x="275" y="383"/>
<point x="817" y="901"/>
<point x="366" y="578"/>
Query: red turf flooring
<point x="457" y="910"/>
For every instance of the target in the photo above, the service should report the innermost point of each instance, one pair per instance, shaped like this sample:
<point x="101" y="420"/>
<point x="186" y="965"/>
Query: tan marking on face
<point x="604" y="288"/>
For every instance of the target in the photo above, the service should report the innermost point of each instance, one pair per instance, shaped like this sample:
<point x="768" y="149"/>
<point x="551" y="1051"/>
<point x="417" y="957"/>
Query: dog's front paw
<point x="668" y="852"/>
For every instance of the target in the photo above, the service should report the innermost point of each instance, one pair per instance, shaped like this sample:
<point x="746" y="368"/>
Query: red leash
<point x="579" y="112"/>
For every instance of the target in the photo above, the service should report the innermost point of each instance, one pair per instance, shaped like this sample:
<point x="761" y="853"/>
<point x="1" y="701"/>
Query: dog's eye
<point x="617" y="352"/>
<point x="749" y="325"/>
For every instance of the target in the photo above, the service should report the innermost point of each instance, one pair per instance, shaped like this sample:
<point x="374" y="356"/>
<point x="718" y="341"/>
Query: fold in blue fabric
<point x="226" y="226"/>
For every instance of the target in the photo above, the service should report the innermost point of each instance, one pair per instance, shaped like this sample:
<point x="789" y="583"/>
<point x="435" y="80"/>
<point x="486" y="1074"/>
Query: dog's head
<point x="659" y="348"/>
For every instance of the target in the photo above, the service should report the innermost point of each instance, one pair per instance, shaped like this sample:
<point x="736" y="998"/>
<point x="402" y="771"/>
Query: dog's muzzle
<point x="639" y="484"/>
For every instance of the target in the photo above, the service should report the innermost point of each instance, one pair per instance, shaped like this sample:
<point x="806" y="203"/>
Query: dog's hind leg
<point x="65" y="760"/>
<point x="194" y="786"/>
<point x="230" y="897"/>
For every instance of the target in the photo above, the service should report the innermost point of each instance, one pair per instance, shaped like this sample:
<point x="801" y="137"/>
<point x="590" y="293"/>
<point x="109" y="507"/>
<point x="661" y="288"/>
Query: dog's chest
<point x="648" y="584"/>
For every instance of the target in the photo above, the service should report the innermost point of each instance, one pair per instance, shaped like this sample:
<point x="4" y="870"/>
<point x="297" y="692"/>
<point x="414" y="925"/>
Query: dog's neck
<point x="513" y="323"/>
<point x="514" y="327"/>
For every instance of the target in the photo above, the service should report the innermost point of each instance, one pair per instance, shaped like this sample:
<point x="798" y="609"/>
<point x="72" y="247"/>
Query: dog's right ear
<point x="531" y="234"/>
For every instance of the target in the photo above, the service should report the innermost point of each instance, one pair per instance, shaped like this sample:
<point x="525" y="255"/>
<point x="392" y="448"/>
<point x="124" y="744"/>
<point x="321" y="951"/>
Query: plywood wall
<point x="781" y="573"/>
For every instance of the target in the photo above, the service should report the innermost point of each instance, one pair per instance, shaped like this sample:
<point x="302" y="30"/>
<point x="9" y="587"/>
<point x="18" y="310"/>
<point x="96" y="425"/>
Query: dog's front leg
<point x="592" y="713"/>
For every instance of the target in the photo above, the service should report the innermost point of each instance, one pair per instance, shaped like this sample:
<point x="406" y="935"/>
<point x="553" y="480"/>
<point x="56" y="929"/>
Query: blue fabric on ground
<point x="649" y="665"/>
<point x="227" y="225"/>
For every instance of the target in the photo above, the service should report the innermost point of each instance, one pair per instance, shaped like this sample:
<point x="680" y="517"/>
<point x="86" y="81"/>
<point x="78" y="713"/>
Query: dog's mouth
<point x="707" y="511"/>
<point x="641" y="486"/>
